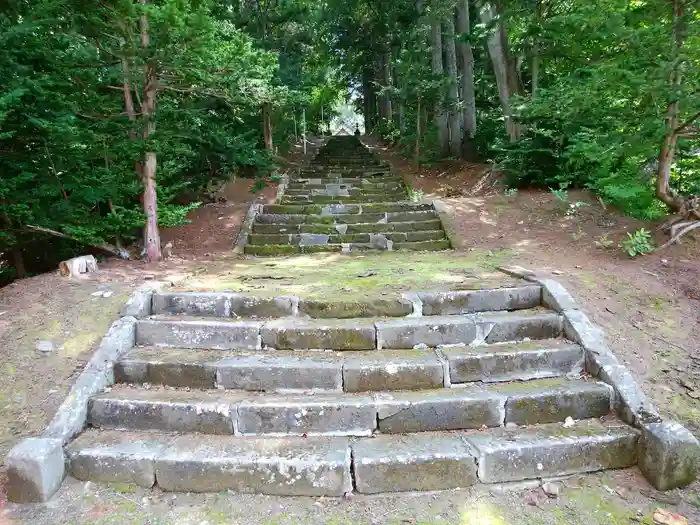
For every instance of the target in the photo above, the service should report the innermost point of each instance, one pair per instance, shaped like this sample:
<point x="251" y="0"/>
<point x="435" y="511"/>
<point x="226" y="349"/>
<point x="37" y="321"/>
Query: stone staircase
<point x="347" y="200"/>
<point x="287" y="396"/>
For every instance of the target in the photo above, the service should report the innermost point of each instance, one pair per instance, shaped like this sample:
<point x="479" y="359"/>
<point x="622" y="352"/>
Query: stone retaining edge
<point x="446" y="214"/>
<point x="247" y="227"/>
<point x="35" y="465"/>
<point x="669" y="454"/>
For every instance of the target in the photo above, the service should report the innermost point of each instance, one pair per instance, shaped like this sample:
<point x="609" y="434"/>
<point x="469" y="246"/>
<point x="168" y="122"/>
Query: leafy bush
<point x="638" y="243"/>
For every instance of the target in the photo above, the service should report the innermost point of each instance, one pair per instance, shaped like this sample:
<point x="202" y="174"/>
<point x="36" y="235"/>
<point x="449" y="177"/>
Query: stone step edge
<point x="350" y="414"/>
<point x="299" y="371"/>
<point x="335" y="466"/>
<point x="416" y="226"/>
<point x="408" y="304"/>
<point x="287" y="249"/>
<point x="267" y="239"/>
<point x="349" y="334"/>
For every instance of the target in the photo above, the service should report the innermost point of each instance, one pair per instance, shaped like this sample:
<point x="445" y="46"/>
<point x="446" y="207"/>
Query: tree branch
<point x="687" y="123"/>
<point x="101" y="246"/>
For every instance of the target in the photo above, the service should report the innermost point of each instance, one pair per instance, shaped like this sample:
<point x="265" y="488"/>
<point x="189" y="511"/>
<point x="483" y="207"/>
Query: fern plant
<point x="638" y="243"/>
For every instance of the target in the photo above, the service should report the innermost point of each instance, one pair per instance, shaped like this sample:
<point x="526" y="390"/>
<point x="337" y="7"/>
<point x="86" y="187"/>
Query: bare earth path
<point x="648" y="307"/>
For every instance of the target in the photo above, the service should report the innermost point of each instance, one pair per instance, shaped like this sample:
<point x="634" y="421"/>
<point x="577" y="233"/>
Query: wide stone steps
<point x="290" y="249"/>
<point x="350" y="414"/>
<point x="349" y="371"/>
<point x="298" y="186"/>
<point x="334" y="466"/>
<point x="344" y="209"/>
<point x="347" y="218"/>
<point x="397" y="237"/>
<point x="348" y="334"/>
<point x="325" y="199"/>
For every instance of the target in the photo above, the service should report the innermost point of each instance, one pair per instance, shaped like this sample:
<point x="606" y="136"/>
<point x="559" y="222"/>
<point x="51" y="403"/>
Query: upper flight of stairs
<point x="280" y="395"/>
<point x="347" y="200"/>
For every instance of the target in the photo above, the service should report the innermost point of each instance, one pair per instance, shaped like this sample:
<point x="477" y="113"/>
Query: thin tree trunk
<point x="499" y="60"/>
<point x="15" y="251"/>
<point x="150" y="194"/>
<point x="419" y="116"/>
<point x="454" y="115"/>
<point x="267" y="125"/>
<point x="437" y="67"/>
<point x="668" y="148"/>
<point x="536" y="59"/>
<point x="467" y="62"/>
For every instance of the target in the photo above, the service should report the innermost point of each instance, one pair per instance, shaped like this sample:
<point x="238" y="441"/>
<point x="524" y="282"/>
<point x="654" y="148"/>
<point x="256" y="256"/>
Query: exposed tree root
<point x="680" y="229"/>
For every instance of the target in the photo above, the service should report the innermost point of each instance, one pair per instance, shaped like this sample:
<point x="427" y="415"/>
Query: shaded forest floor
<point x="648" y="306"/>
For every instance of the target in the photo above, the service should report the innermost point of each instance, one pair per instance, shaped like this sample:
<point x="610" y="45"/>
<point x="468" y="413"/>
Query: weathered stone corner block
<point x="669" y="455"/>
<point x="35" y="470"/>
<point x="139" y="304"/>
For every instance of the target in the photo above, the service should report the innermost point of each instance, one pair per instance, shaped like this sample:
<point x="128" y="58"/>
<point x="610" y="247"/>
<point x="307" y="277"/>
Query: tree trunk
<point x="367" y="100"/>
<point x="267" y="125"/>
<point x="419" y="117"/>
<point x="18" y="262"/>
<point x="501" y="69"/>
<point x="150" y="196"/>
<point x="467" y="62"/>
<point x="455" y="115"/>
<point x="437" y="67"/>
<point x="668" y="148"/>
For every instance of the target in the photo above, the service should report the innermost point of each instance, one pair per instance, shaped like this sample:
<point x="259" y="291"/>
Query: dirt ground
<point x="648" y="306"/>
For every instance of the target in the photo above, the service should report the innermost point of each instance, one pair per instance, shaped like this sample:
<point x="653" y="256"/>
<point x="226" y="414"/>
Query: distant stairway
<point x="346" y="200"/>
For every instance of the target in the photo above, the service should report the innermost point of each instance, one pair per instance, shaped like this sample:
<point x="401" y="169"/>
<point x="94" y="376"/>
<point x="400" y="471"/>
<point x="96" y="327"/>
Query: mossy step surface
<point x="288" y="249"/>
<point x="336" y="238"/>
<point x="347" y="218"/>
<point x="331" y="229"/>
<point x="323" y="199"/>
<point x="370" y="207"/>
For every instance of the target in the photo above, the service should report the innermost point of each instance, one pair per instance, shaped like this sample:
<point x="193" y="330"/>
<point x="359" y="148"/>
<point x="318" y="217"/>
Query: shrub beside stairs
<point x="425" y="391"/>
<point x="347" y="200"/>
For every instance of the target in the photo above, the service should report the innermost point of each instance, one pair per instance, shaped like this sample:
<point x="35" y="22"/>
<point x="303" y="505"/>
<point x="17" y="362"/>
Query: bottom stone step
<point x="284" y="249"/>
<point x="322" y="466"/>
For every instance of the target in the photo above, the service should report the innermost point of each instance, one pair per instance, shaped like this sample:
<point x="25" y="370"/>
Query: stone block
<point x="551" y="451"/>
<point x="318" y="309"/>
<point x="298" y="334"/>
<point x="445" y="409"/>
<point x="176" y="411"/>
<point x="669" y="455"/>
<point x="471" y="301"/>
<point x="35" y="470"/>
<point x="631" y="404"/>
<point x="329" y="414"/>
<point x="513" y="362"/>
<point x="280" y="371"/>
<point x="498" y="327"/>
<point x="254" y="306"/>
<point x="244" y="335"/>
<point x="556" y="297"/>
<point x="417" y="462"/>
<point x="139" y="304"/>
<point x="392" y="370"/>
<point x="551" y="401"/>
<point x="189" y="303"/>
<point x="281" y="467"/>
<point x="429" y="331"/>
<point x="172" y="367"/>
<point x="114" y="457"/>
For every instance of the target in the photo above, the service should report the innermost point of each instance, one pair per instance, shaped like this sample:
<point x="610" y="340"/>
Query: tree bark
<point x="267" y="125"/>
<point x="467" y="62"/>
<point x="664" y="192"/>
<point x="438" y="71"/>
<point x="18" y="262"/>
<point x="501" y="68"/>
<point x="150" y="195"/>
<point x="419" y="117"/>
<point x="454" y="115"/>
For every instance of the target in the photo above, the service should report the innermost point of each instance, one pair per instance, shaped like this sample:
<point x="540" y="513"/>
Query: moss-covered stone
<point x="423" y="246"/>
<point x="272" y="249"/>
<point x="352" y="309"/>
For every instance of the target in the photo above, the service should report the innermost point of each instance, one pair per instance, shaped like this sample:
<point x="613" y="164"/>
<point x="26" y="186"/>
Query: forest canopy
<point x="116" y="115"/>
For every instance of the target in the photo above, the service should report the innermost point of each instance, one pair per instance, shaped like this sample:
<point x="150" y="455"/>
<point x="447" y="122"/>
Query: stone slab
<point x="170" y="367"/>
<point x="139" y="304"/>
<point x="392" y="370"/>
<point x="498" y="327"/>
<point x="379" y="307"/>
<point x="417" y="462"/>
<point x="429" y="331"/>
<point x="223" y="304"/>
<point x="298" y="334"/>
<point x="550" y="450"/>
<point x="669" y="455"/>
<point x="244" y="335"/>
<point x="472" y="301"/>
<point x="115" y="457"/>
<point x="170" y="410"/>
<point x="326" y="414"/>
<point x="281" y="371"/>
<point x="445" y="409"/>
<point x="513" y="361"/>
<point x="282" y="467"/>
<point x="35" y="470"/>
<point x="553" y="400"/>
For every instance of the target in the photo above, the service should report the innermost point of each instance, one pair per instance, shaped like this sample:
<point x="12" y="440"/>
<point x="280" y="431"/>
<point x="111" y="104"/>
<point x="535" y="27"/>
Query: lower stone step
<point x="289" y="249"/>
<point x="347" y="209"/>
<point x="350" y="414"/>
<point x="346" y="218"/>
<point x="334" y="466"/>
<point x="348" y="334"/>
<point x="398" y="237"/>
<point x="358" y="199"/>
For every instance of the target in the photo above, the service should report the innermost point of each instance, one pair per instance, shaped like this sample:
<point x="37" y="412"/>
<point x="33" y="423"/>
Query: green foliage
<point x="638" y="243"/>
<point x="511" y="192"/>
<point x="604" y="242"/>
